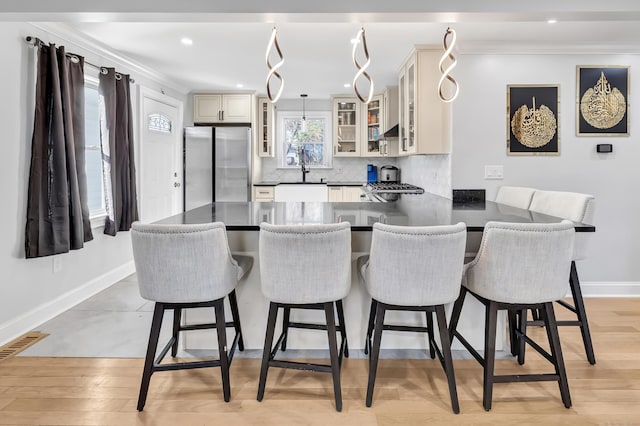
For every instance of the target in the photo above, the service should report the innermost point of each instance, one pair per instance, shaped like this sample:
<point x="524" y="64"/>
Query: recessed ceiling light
<point x="186" y="41"/>
<point x="239" y="85"/>
<point x="347" y="85"/>
<point x="552" y="21"/>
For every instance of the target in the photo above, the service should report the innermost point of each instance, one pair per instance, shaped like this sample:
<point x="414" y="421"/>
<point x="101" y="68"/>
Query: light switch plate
<point x="494" y="172"/>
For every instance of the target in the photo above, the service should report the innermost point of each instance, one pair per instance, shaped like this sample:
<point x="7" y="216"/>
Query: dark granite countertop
<point x="329" y="183"/>
<point x="411" y="210"/>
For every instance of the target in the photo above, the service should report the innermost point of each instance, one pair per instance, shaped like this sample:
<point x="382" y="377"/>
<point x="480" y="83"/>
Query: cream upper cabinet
<point x="222" y="108"/>
<point x="425" y="121"/>
<point x="266" y="127"/>
<point x="381" y="115"/>
<point x="373" y="126"/>
<point x="346" y="127"/>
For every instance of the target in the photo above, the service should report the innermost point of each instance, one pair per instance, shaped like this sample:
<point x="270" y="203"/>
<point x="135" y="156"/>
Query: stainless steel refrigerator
<point x="217" y="165"/>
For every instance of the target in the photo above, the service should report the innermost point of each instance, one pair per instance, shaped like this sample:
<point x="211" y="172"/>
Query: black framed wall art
<point x="532" y="119"/>
<point x="602" y="104"/>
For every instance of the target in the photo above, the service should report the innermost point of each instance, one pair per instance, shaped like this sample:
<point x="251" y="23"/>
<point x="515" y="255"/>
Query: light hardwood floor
<point x="92" y="391"/>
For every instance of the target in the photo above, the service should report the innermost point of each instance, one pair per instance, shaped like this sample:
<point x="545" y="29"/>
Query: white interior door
<point x="160" y="173"/>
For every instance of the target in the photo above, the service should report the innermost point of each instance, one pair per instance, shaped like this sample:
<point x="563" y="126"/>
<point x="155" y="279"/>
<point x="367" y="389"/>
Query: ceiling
<point x="229" y="47"/>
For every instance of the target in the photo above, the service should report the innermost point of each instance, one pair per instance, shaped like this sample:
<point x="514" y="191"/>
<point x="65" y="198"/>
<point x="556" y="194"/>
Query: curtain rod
<point x="34" y="40"/>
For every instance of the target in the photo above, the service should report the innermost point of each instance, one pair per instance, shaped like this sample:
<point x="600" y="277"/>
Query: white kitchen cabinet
<point x="263" y="193"/>
<point x="347" y="194"/>
<point x="222" y="108"/>
<point x="373" y="127"/>
<point x="381" y="115"/>
<point x="301" y="192"/>
<point x="266" y="127"/>
<point x="347" y="123"/>
<point x="335" y="194"/>
<point x="425" y="121"/>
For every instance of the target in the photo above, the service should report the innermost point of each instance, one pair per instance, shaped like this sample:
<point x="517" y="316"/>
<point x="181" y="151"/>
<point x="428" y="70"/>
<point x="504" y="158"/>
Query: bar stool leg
<point x="233" y="302"/>
<point x="266" y="352"/>
<point x="375" y="351"/>
<point x="556" y="352"/>
<point x="448" y="360"/>
<point x="578" y="302"/>
<point x="455" y="314"/>
<point x="343" y="328"/>
<point x="333" y="351"/>
<point x="430" y="334"/>
<point x="372" y="318"/>
<point x="285" y="328"/>
<point x="513" y="325"/>
<point x="222" y="348"/>
<point x="489" y="352"/>
<point x="177" y="316"/>
<point x="154" y="334"/>
<point x="522" y="327"/>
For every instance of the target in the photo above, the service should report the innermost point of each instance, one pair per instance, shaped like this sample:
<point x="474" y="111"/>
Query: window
<point x="159" y="123"/>
<point x="92" y="148"/>
<point x="310" y="138"/>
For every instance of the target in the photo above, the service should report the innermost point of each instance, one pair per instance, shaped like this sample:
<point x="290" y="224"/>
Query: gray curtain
<point x="116" y="136"/>
<point x="57" y="209"/>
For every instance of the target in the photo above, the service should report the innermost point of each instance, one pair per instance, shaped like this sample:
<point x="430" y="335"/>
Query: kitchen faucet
<point x="303" y="165"/>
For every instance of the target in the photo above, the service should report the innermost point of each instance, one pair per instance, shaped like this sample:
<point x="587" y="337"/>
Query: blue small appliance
<point x="372" y="173"/>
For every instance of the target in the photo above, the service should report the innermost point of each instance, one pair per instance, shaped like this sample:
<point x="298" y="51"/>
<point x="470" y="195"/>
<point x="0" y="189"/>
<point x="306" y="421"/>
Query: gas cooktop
<point x="393" y="188"/>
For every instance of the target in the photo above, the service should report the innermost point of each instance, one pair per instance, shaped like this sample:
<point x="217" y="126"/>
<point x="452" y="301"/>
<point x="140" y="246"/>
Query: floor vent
<point x="11" y="349"/>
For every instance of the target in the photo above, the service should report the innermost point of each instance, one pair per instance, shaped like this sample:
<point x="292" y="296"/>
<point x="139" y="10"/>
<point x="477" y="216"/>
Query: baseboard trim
<point x="29" y="320"/>
<point x="610" y="289"/>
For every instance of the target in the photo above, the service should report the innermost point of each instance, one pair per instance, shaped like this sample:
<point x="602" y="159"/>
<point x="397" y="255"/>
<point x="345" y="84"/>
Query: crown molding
<point x="107" y="54"/>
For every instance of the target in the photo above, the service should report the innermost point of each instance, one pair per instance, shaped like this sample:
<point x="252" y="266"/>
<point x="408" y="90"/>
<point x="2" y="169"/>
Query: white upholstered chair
<point x="515" y="196"/>
<point x="305" y="267"/>
<point x="187" y="266"/>
<point x="518" y="267"/>
<point x="413" y="269"/>
<point x="577" y="208"/>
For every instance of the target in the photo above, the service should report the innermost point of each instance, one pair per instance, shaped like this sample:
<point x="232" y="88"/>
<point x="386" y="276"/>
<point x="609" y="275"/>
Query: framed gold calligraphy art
<point x="602" y="104"/>
<point x="533" y="119"/>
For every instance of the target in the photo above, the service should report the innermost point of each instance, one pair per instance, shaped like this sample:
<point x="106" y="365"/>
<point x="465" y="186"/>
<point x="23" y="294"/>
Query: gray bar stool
<point x="187" y="266"/>
<point x="515" y="196"/>
<point x="413" y="269"/>
<point x="305" y="267"/>
<point x="519" y="267"/>
<point x="577" y="208"/>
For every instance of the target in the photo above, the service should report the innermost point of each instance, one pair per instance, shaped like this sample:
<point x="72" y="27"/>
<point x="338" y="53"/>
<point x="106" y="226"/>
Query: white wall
<point x="479" y="139"/>
<point x="30" y="292"/>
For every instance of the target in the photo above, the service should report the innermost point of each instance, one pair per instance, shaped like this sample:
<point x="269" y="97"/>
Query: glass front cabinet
<point x="424" y="121"/>
<point x="346" y="127"/>
<point x="265" y="128"/>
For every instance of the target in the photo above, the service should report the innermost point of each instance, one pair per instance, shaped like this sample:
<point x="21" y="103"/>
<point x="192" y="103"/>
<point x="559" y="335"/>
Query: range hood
<point x="392" y="132"/>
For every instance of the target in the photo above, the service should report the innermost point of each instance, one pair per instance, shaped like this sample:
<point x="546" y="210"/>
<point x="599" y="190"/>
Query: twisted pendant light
<point x="445" y="72"/>
<point x="273" y="41"/>
<point x="362" y="70"/>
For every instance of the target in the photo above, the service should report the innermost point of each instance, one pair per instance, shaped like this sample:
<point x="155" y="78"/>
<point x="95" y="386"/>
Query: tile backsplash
<point x="344" y="170"/>
<point x="431" y="172"/>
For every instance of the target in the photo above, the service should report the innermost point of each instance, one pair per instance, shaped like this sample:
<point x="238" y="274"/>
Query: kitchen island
<point x="242" y="220"/>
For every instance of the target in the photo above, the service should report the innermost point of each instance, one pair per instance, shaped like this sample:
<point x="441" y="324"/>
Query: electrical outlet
<point x="57" y="264"/>
<point x="493" y="172"/>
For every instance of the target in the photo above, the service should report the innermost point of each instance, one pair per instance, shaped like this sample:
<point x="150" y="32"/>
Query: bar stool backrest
<point x="304" y="264"/>
<point x="416" y="266"/>
<point x="183" y="263"/>
<point x="522" y="262"/>
<point x="516" y="196"/>
<point x="568" y="205"/>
